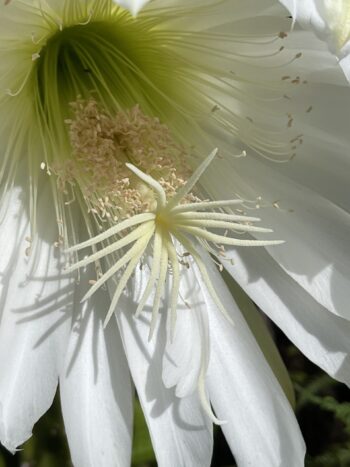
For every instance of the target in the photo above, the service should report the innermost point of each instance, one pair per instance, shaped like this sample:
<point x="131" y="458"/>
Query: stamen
<point x="104" y="145"/>
<point x="11" y="93"/>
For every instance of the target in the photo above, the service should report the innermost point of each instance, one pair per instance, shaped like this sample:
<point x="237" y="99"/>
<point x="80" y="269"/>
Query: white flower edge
<point x="134" y="6"/>
<point x="330" y="21"/>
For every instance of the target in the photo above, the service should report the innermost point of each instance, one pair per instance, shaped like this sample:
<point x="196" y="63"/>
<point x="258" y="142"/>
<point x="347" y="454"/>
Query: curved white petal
<point x="134" y="6"/>
<point x="329" y="20"/>
<point x="345" y="65"/>
<point x="316" y="232"/>
<point x="260" y="328"/>
<point x="181" y="434"/>
<point x="182" y="356"/>
<point x="322" y="163"/>
<point x="261" y="428"/>
<point x="320" y="335"/>
<point x="95" y="387"/>
<point x="35" y="320"/>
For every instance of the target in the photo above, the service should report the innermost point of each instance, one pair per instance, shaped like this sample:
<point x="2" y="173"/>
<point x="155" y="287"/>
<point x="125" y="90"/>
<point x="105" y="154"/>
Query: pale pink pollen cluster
<point x="101" y="146"/>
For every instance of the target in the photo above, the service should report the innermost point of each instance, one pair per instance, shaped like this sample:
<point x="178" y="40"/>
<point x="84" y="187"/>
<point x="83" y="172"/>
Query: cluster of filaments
<point x="102" y="144"/>
<point x="171" y="224"/>
<point x="181" y="76"/>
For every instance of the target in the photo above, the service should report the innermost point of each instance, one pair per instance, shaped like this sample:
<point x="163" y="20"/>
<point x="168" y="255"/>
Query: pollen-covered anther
<point x="174" y="227"/>
<point x="101" y="146"/>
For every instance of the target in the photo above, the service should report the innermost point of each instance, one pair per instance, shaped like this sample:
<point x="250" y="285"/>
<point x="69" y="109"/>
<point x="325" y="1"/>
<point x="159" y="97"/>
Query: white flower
<point x="330" y="20"/>
<point x="107" y="121"/>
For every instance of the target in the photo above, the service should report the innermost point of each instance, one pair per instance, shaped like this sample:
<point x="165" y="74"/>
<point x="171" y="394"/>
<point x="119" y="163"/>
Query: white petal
<point x="181" y="434"/>
<point x="322" y="163"/>
<point x="134" y="6"/>
<point x="315" y="252"/>
<point x="345" y="65"/>
<point x="329" y="20"/>
<point x="96" y="391"/>
<point x="259" y="326"/>
<point x="320" y="335"/>
<point x="261" y="428"/>
<point x="182" y="356"/>
<point x="316" y="232"/>
<point x="35" y="321"/>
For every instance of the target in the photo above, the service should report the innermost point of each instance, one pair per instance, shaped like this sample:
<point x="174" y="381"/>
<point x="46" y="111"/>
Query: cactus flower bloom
<point x="161" y="163"/>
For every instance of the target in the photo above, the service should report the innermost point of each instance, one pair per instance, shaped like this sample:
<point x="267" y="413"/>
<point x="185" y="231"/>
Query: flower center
<point x="172" y="222"/>
<point x="117" y="59"/>
<point x="101" y="144"/>
<point x="123" y="74"/>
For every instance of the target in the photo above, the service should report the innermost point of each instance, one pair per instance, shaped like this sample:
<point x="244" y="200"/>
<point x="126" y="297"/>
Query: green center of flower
<point x="100" y="84"/>
<point x="120" y="61"/>
<point x="115" y="59"/>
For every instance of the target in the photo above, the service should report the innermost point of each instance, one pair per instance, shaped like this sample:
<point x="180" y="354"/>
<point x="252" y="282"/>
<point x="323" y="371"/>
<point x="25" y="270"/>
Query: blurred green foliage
<point x="323" y="411"/>
<point x="337" y="453"/>
<point x="142" y="453"/>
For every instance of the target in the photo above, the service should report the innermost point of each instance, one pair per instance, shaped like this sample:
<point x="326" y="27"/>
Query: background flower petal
<point x="329" y="20"/>
<point x="134" y="6"/>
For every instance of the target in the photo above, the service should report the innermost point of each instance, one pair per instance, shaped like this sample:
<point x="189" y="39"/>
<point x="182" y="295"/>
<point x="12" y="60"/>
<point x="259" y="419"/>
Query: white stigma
<point x="170" y="223"/>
